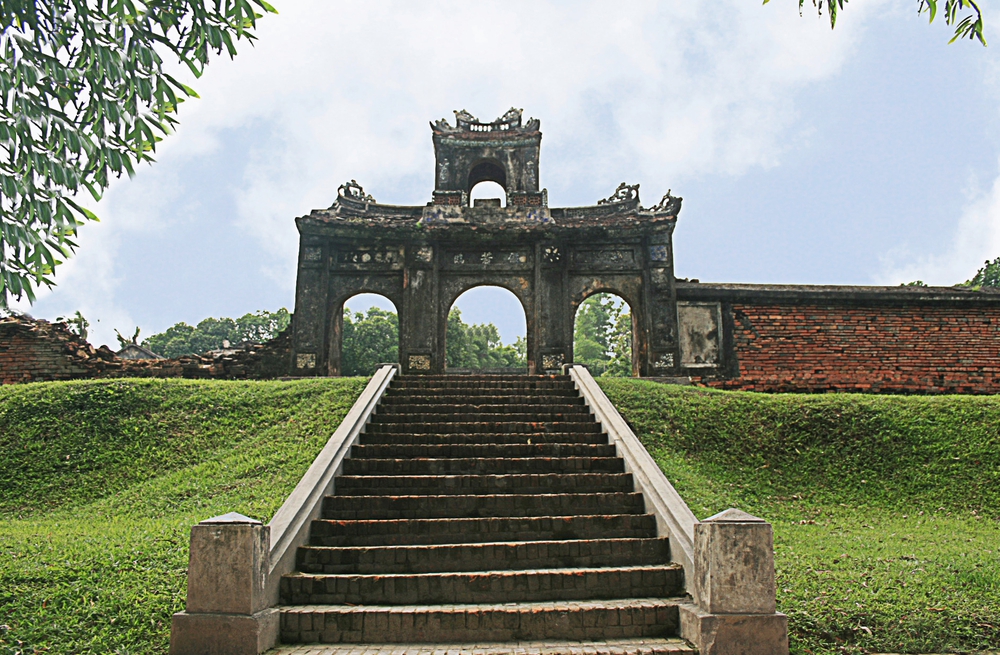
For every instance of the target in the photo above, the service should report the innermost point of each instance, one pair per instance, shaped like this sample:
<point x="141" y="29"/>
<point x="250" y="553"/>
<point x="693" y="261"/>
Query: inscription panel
<point x="365" y="258"/>
<point x="487" y="260"/>
<point x="604" y="258"/>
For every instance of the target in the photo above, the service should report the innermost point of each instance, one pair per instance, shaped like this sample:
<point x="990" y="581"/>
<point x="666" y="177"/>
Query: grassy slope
<point x="873" y="513"/>
<point x="886" y="509"/>
<point x="101" y="481"/>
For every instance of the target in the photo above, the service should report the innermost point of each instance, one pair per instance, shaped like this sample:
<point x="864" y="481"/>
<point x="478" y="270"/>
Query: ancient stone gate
<point x="423" y="258"/>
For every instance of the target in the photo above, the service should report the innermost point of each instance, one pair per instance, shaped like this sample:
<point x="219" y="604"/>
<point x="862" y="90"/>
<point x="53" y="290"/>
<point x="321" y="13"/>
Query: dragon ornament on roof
<point x="353" y="191"/>
<point x="623" y="193"/>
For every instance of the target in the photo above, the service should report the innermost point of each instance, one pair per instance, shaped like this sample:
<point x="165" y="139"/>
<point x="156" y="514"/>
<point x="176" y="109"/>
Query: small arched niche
<point x="486" y="331"/>
<point x="603" y="335"/>
<point x="369" y="334"/>
<point x="487" y="171"/>
<point x="488" y="193"/>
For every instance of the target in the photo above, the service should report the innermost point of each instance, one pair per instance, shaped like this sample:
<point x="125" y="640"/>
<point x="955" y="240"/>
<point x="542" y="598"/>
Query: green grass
<point x="886" y="509"/>
<point x="101" y="482"/>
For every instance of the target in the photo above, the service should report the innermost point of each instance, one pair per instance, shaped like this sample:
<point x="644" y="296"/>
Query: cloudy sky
<point x="863" y="155"/>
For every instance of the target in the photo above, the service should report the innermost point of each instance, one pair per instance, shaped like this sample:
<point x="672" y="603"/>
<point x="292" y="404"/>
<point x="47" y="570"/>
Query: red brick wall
<point x="901" y="349"/>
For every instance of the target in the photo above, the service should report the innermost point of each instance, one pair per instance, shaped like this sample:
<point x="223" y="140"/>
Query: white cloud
<point x="976" y="240"/>
<point x="648" y="91"/>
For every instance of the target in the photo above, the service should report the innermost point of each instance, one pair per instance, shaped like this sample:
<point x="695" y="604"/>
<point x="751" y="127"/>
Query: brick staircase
<point x="488" y="511"/>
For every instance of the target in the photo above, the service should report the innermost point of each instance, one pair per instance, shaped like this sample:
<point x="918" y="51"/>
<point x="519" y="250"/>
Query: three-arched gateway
<point x="423" y="258"/>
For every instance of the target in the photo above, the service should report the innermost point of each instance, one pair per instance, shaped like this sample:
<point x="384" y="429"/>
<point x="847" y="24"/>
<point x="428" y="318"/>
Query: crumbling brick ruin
<point x="34" y="350"/>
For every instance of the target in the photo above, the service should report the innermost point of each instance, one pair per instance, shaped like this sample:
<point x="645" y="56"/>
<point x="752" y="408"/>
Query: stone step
<point x="481" y="396"/>
<point x="454" y="506"/>
<point x="479" y="417"/>
<point x="482" y="586"/>
<point x="483" y="465"/>
<point x="527" y="388"/>
<point x="484" y="438"/>
<point x="570" y="620"/>
<point x="393" y="451"/>
<point x="466" y="382"/>
<point x="467" y="403"/>
<point x="387" y="532"/>
<point x="484" y="375"/>
<point x="508" y="555"/>
<point x="637" y="646"/>
<point x="540" y="483"/>
<point x="472" y="394"/>
<point x="485" y="409"/>
<point x="473" y="427"/>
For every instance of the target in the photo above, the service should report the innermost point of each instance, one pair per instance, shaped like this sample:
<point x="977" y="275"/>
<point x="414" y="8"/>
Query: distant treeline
<point x="602" y="338"/>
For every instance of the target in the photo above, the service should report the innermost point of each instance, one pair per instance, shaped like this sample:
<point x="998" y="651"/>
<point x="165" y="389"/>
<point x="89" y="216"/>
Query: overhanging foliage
<point x="84" y="97"/>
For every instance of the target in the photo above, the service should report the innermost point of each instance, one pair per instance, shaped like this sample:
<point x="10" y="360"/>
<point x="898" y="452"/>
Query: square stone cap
<point x="733" y="515"/>
<point x="233" y="517"/>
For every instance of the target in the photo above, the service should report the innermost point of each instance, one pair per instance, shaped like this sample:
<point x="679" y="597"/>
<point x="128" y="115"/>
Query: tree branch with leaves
<point x="968" y="25"/>
<point x="84" y="98"/>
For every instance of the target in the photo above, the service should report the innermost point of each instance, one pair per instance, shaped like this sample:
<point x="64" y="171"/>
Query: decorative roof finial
<point x="623" y="193"/>
<point x="353" y="191"/>
<point x="670" y="205"/>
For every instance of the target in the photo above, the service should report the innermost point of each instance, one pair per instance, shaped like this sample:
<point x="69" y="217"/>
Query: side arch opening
<point x="369" y="334"/>
<point x="603" y="335"/>
<point x="486" y="332"/>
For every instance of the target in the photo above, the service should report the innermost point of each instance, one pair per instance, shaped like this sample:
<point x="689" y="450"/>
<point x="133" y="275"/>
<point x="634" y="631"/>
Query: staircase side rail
<point x="290" y="525"/>
<point x="674" y="518"/>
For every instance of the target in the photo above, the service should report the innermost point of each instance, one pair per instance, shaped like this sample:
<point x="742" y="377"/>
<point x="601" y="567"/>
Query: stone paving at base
<point x="609" y="647"/>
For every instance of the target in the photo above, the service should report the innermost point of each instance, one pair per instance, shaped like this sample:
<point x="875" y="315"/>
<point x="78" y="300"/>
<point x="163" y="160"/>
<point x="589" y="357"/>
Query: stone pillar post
<point x="734" y="591"/>
<point x="227" y="612"/>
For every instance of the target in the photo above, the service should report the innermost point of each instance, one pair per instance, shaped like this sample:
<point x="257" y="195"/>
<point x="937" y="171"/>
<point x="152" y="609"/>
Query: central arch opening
<point x="486" y="331"/>
<point x="602" y="335"/>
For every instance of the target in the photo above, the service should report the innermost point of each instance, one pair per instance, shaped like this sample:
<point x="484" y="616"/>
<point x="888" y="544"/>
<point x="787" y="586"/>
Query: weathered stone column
<point x="734" y="591"/>
<point x="226" y="611"/>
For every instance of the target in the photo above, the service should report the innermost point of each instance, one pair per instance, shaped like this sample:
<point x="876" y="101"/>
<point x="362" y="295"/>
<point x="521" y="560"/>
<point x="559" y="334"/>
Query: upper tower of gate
<point x="504" y="151"/>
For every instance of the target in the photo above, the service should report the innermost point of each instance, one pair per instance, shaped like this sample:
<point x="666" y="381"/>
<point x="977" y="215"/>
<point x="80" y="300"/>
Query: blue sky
<point x="863" y="155"/>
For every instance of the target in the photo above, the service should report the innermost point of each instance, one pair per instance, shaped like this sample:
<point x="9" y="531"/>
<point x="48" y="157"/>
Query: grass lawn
<point x="886" y="509"/>
<point x="102" y="481"/>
